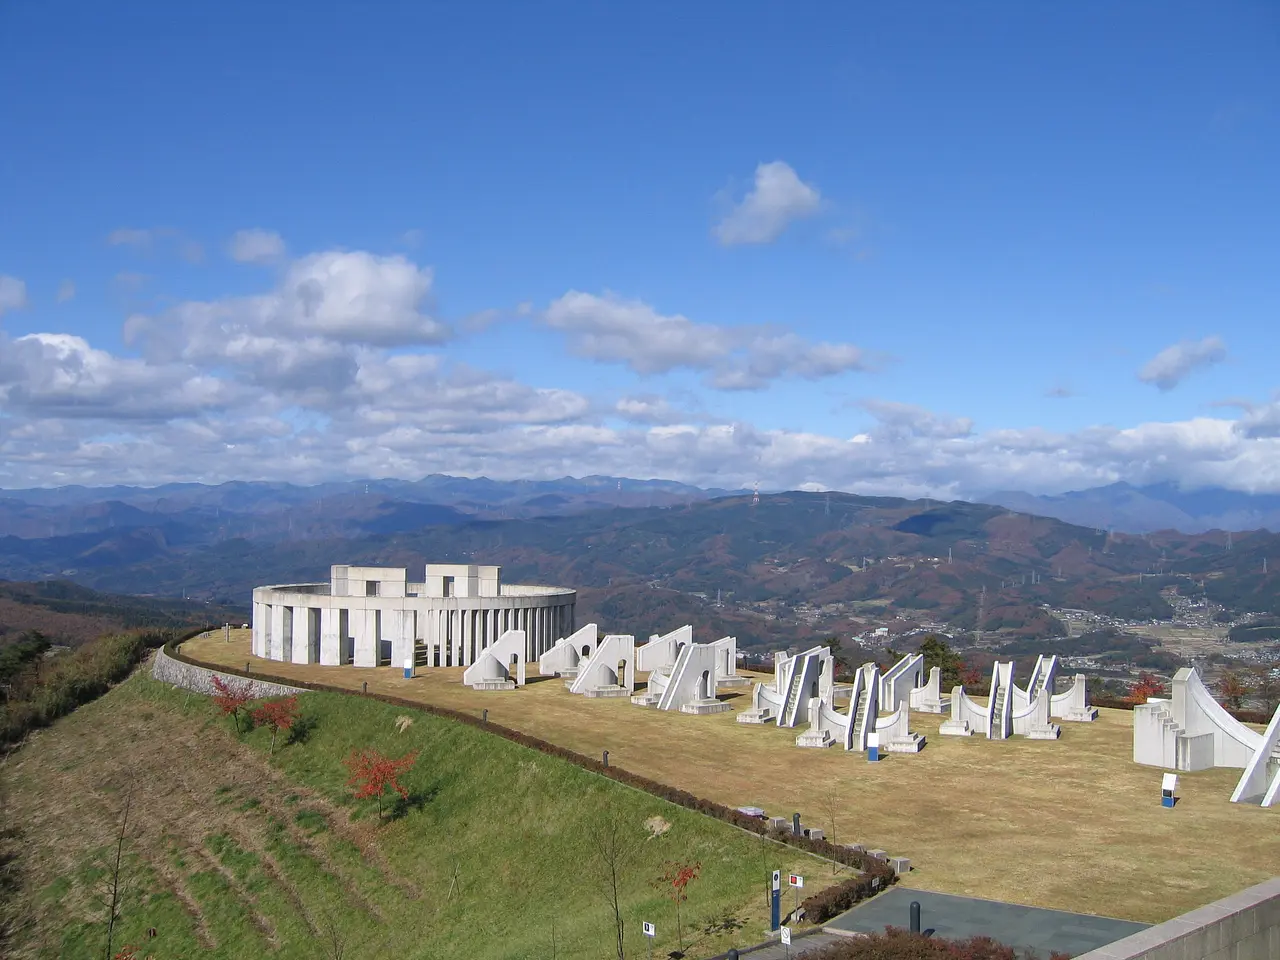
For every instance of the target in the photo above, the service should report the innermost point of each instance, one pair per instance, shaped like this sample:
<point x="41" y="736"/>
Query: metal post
<point x="247" y="665"/>
<point x="365" y="688"/>
<point x="606" y="758"/>
<point x="484" y="716"/>
<point x="915" y="916"/>
<point x="795" y="824"/>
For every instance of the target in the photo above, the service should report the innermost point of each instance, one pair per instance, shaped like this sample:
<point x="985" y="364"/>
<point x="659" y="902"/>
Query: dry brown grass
<point x="1073" y="824"/>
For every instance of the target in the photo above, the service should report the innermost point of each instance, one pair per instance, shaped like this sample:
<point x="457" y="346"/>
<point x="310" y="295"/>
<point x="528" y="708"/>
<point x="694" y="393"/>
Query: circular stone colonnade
<point x="373" y="616"/>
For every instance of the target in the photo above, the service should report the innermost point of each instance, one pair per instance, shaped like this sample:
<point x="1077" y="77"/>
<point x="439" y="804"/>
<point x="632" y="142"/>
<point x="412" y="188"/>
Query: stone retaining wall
<point x="1243" y="926"/>
<point x="200" y="679"/>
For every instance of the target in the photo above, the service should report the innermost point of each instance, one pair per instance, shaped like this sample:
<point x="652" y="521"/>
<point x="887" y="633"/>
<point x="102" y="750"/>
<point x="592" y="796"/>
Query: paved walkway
<point x="801" y="946"/>
<point x="958" y="918"/>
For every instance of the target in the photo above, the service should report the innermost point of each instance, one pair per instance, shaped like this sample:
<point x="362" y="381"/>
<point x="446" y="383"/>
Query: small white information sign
<point x="777" y="879"/>
<point x="648" y="929"/>
<point x="786" y="935"/>
<point x="1170" y="782"/>
<point x="873" y="739"/>
<point x="796" y="881"/>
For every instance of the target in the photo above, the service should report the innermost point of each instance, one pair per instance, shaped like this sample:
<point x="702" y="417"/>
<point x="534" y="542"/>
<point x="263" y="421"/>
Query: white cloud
<point x="56" y="374"/>
<point x="332" y="373"/>
<point x="1175" y="363"/>
<point x="611" y="329"/>
<point x="66" y="291"/>
<point x="147" y="239"/>
<point x="13" y="294"/>
<point x="777" y="198"/>
<point x="255" y="246"/>
<point x="130" y="237"/>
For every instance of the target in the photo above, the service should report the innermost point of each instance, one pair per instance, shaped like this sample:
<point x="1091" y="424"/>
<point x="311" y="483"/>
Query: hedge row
<point x="898" y="944"/>
<point x="870" y="867"/>
<point x="1120" y="703"/>
<point x="73" y="679"/>
<point x="833" y="901"/>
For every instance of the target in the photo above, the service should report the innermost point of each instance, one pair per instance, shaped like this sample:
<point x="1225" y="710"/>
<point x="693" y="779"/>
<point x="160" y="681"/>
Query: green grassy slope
<point x="236" y="855"/>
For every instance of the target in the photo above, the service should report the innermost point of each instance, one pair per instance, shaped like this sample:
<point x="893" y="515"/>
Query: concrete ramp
<point x="1260" y="782"/>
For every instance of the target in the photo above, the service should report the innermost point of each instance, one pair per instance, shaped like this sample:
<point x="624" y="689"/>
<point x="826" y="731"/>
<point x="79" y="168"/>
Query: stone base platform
<point x="1051" y="732"/>
<point x="701" y="707"/>
<point x="646" y="700"/>
<point x="734" y="682"/>
<point x="607" y="692"/>
<point x="1087" y="715"/>
<point x="763" y="715"/>
<point x="955" y="728"/>
<point x="494" y="685"/>
<point x="911" y="744"/>
<point x="819" y="738"/>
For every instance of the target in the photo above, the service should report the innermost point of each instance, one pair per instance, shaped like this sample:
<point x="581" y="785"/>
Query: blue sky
<point x="993" y="203"/>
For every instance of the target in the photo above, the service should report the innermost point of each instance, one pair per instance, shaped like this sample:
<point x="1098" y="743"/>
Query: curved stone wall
<point x="200" y="679"/>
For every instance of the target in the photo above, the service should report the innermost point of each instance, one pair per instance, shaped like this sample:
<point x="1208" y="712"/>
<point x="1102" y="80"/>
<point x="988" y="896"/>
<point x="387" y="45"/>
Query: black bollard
<point x="915" y="916"/>
<point x="247" y="664"/>
<point x="484" y="716"/>
<point x="606" y="758"/>
<point x="366" y="687"/>
<point x="732" y="954"/>
<point x="795" y="824"/>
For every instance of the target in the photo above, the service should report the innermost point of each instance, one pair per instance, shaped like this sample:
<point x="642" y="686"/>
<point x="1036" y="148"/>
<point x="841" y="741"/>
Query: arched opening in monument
<point x="622" y="673"/>
<point x="586" y="650"/>
<point x="704" y="685"/>
<point x="513" y="668"/>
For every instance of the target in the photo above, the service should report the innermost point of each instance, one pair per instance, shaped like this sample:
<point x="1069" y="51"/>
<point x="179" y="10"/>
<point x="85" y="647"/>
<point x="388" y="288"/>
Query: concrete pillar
<point x="455" y="626"/>
<point x="256" y="645"/>
<point x="397" y="627"/>
<point x="364" y="627"/>
<point x="330" y="648"/>
<point x="275" y="648"/>
<point x="301" y="634"/>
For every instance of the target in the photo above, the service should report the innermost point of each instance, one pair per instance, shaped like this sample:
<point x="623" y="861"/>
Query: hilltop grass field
<point x="1072" y="824"/>
<point x="230" y="853"/>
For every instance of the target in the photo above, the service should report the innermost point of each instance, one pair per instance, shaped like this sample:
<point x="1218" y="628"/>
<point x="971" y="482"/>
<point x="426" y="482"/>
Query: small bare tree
<point x="614" y="843"/>
<point x="332" y="938"/>
<point x="116" y="879"/>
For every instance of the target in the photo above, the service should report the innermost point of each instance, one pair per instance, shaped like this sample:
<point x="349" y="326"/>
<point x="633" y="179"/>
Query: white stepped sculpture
<point x="998" y="719"/>
<point x="796" y="681"/>
<point x="1260" y="782"/>
<point x="1190" y="730"/>
<point x="610" y="671"/>
<point x="929" y="698"/>
<point x="829" y="727"/>
<point x="692" y="684"/>
<point x="1071" y="705"/>
<point x="658" y="658"/>
<point x="727" y="663"/>
<point x="898" y="682"/>
<point x="563" y="658"/>
<point x="661" y="651"/>
<point x="492" y="671"/>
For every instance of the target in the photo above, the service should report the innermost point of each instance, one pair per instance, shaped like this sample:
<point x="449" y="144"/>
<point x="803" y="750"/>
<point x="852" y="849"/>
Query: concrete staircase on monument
<point x="997" y="713"/>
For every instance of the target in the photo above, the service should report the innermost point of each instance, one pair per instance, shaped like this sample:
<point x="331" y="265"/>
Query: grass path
<point x="1071" y="824"/>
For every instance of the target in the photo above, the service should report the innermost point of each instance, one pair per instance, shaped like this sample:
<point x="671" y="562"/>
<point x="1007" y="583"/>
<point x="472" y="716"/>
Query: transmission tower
<point x="755" y="494"/>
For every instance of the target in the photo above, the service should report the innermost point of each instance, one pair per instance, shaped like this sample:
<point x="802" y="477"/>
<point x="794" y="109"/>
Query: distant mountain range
<point x="192" y="513"/>
<point x="1162" y="506"/>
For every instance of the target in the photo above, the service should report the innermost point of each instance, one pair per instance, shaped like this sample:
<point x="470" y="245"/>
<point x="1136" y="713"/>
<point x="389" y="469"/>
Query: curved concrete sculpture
<point x="828" y="726"/>
<point x="661" y="651"/>
<point x="1071" y="705"/>
<point x="563" y="658"/>
<point x="1191" y="730"/>
<point x="998" y="719"/>
<point x="1260" y="782"/>
<point x="610" y="671"/>
<point x="796" y="681"/>
<point x="692" y="685"/>
<point x="497" y="663"/>
<point x="929" y="698"/>
<point x="898" y="682"/>
<point x="727" y="663"/>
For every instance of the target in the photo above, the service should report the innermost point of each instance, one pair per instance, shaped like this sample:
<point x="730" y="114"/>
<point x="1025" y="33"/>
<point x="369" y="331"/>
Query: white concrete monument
<point x="501" y="664"/>
<point x="610" y="671"/>
<point x="796" y="681"/>
<point x="563" y="658"/>
<point x="998" y="719"/>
